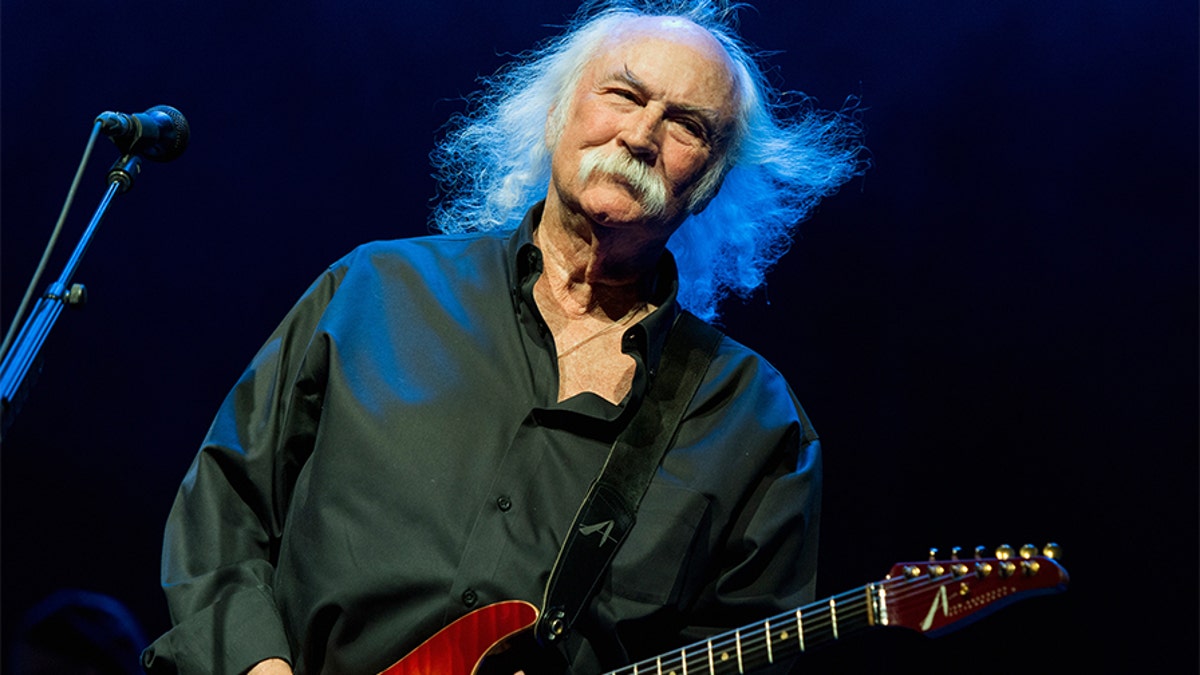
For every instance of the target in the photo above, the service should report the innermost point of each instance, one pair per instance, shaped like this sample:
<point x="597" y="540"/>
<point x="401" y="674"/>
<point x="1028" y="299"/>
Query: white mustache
<point x="648" y="186"/>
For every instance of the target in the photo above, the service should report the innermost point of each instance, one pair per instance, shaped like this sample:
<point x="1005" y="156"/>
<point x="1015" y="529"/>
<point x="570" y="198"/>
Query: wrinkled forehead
<point x="686" y="53"/>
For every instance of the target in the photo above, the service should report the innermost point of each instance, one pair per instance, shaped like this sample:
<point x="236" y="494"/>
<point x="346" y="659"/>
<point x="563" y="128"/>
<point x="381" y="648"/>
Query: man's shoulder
<point x="749" y="391"/>
<point x="429" y="245"/>
<point x="732" y="351"/>
<point x="740" y="370"/>
<point x="450" y="254"/>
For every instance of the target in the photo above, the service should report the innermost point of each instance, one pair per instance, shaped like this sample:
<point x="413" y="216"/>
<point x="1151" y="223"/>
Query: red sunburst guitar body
<point x="458" y="648"/>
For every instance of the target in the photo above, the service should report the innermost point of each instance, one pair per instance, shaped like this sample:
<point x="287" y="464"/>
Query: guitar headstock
<point x="937" y="596"/>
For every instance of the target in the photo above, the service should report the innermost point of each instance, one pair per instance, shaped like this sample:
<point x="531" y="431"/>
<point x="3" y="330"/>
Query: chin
<point x="614" y="212"/>
<point x="618" y="219"/>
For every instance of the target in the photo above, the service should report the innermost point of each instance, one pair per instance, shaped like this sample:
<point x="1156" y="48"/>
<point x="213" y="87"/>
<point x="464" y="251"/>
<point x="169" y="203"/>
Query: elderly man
<point x="415" y="439"/>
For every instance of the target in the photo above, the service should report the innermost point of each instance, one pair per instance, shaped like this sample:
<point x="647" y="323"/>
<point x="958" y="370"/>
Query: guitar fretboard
<point x="778" y="638"/>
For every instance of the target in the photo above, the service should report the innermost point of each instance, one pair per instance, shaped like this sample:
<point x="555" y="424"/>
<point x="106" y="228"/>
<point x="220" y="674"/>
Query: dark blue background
<point x="995" y="330"/>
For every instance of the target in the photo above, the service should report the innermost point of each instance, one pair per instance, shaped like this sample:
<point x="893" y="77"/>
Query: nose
<point x="640" y="135"/>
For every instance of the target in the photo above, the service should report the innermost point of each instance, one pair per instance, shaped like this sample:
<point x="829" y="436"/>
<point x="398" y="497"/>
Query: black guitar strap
<point x="608" y="512"/>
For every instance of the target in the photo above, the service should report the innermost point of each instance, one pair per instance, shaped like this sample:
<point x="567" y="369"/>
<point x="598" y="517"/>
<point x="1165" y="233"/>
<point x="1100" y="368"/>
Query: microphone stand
<point x="26" y="348"/>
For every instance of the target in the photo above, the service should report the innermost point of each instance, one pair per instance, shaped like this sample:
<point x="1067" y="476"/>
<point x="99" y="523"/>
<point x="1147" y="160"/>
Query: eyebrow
<point x="710" y="117"/>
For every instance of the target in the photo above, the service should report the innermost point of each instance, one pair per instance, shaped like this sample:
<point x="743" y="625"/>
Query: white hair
<point x="779" y="160"/>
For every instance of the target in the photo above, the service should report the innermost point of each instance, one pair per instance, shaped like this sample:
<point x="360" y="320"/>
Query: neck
<point x="593" y="270"/>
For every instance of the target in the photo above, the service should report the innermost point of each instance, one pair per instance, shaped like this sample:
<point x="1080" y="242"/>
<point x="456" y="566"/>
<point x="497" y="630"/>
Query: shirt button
<point x="469" y="598"/>
<point x="503" y="503"/>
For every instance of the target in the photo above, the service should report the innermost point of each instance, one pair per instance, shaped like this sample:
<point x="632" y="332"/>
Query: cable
<point x="41" y="268"/>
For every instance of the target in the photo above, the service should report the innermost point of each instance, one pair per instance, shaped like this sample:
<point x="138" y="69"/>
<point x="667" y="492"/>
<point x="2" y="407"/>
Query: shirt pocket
<point x="654" y="559"/>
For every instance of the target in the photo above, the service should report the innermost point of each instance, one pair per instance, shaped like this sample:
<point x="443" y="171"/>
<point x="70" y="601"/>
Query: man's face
<point x="646" y="117"/>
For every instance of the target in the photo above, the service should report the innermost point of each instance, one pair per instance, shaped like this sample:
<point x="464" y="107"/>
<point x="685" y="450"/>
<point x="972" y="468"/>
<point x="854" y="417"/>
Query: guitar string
<point x="754" y="641"/>
<point x="750" y="640"/>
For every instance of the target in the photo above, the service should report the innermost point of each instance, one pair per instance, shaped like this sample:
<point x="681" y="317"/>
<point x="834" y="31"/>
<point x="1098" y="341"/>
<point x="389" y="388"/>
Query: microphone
<point x="159" y="134"/>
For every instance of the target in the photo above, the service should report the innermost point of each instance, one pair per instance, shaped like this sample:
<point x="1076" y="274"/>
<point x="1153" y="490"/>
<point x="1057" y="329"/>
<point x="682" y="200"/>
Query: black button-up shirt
<point x="396" y="455"/>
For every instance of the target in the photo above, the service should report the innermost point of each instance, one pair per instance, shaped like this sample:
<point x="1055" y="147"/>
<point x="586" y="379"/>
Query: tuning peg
<point x="983" y="569"/>
<point x="1004" y="552"/>
<point x="935" y="569"/>
<point x="954" y="552"/>
<point x="1052" y="551"/>
<point x="1007" y="568"/>
<point x="979" y="551"/>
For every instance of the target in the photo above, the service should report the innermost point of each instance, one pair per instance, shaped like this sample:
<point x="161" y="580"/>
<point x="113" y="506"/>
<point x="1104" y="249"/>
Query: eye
<point x="692" y="127"/>
<point x="626" y="94"/>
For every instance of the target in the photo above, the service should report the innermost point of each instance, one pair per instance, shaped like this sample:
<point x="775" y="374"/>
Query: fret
<point x="658" y="660"/>
<point x="711" y="670"/>
<point x="873" y="608"/>
<point x="799" y="631"/>
<point x="770" y="653"/>
<point x="881" y="594"/>
<point x="737" y="637"/>
<point x="719" y="657"/>
<point x="833" y="617"/>
<point x="683" y="657"/>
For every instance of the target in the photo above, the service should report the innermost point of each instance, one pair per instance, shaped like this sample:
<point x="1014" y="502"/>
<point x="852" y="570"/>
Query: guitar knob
<point x="1028" y="551"/>
<point x="1004" y="552"/>
<point x="1052" y="551"/>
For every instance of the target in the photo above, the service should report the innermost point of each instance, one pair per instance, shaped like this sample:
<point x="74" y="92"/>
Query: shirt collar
<point x="646" y="337"/>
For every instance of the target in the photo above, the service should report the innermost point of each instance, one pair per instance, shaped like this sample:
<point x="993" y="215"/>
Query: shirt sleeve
<point x="768" y="564"/>
<point x="222" y="534"/>
<point x="769" y="560"/>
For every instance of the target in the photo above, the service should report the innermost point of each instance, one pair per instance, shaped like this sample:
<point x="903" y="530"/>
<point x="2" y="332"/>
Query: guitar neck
<point x="776" y="639"/>
<point x="928" y="597"/>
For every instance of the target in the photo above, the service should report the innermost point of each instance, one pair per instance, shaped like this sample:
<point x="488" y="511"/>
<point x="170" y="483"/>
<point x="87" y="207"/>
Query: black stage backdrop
<point x="994" y="330"/>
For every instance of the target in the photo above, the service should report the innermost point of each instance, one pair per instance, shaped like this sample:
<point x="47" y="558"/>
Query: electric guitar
<point x="930" y="597"/>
